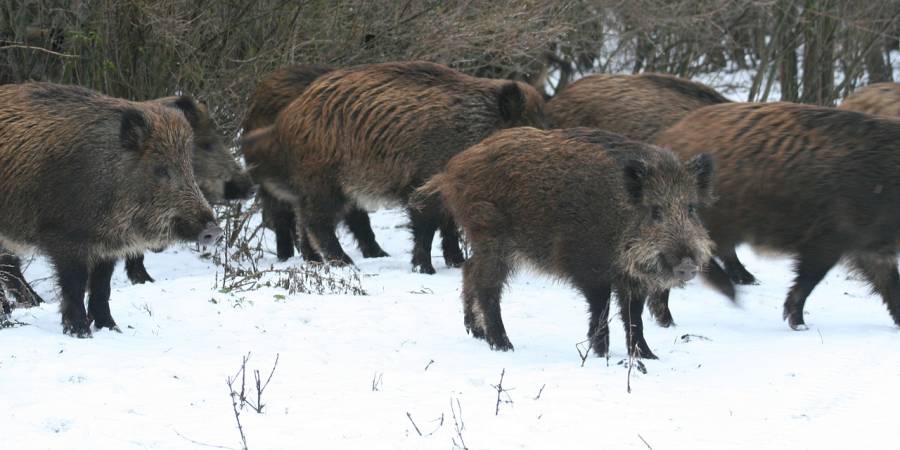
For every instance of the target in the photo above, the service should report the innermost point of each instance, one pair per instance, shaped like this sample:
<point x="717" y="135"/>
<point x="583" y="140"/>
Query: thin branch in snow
<point x="501" y="391"/>
<point x="413" y="423"/>
<point x="538" y="397"/>
<point x="376" y="382"/>
<point x="429" y="365"/>
<point x="583" y="351"/>
<point x="204" y="444"/>
<point x="235" y="397"/>
<point x="459" y="425"/>
<point x="645" y="441"/>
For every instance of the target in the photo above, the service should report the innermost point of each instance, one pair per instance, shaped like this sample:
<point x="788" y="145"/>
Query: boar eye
<point x="206" y="147"/>
<point x="162" y="173"/>
<point x="692" y="209"/>
<point x="656" y="213"/>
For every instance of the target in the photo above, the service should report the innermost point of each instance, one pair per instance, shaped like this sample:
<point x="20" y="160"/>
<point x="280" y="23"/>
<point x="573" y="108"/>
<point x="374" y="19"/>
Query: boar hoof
<point x="454" y="257"/>
<point x="665" y="321"/>
<point x="501" y="344"/>
<point x="745" y="278"/>
<point x="795" y="320"/>
<point x="343" y="261"/>
<point x="140" y="276"/>
<point x="79" y="329"/>
<point x="424" y="268"/>
<point x="108" y="323"/>
<point x="660" y="311"/>
<point x="644" y="353"/>
<point x="374" y="252"/>
<point x="600" y="345"/>
<point x="476" y="332"/>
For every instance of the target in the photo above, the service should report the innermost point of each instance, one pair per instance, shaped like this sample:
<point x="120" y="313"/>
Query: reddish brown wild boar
<point x="882" y="99"/>
<point x="636" y="106"/>
<point x="275" y="91"/>
<point x="821" y="184"/>
<point x="372" y="135"/>
<point x="87" y="179"/>
<point x="621" y="219"/>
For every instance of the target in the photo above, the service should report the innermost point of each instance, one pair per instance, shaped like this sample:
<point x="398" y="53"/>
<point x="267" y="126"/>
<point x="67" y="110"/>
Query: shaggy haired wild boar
<point x="87" y="179"/>
<point x="636" y="106"/>
<point x="821" y="184"/>
<point x="882" y="99"/>
<point x="623" y="220"/>
<point x="373" y="134"/>
<point x="275" y="91"/>
<point x="217" y="173"/>
<point x="216" y="170"/>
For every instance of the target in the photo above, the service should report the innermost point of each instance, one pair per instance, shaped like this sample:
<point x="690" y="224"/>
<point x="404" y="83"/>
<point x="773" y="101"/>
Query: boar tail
<point x="428" y="193"/>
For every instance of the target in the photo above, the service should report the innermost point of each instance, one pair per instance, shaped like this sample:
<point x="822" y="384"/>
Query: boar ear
<point x="133" y="130"/>
<point x="635" y="175"/>
<point x="189" y="108"/>
<point x="512" y="102"/>
<point x="702" y="167"/>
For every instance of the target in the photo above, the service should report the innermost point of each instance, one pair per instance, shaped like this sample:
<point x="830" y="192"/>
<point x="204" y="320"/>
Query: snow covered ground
<point x="748" y="382"/>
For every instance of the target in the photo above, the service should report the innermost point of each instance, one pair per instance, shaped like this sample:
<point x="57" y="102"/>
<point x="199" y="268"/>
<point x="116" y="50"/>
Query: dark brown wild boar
<point x="622" y="220"/>
<point x="372" y="135"/>
<point x="636" y="106"/>
<point x="882" y="99"/>
<point x="216" y="170"/>
<point x="821" y="184"/>
<point x="87" y="179"/>
<point x="275" y="91"/>
<point x="217" y="173"/>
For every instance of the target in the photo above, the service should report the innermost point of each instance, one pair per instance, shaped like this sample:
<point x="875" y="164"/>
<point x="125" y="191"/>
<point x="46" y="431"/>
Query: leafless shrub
<point x="242" y="397"/>
<point x="243" y="248"/>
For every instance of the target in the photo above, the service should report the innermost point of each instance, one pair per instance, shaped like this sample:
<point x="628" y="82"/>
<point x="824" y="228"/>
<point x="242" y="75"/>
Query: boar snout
<point x="686" y="270"/>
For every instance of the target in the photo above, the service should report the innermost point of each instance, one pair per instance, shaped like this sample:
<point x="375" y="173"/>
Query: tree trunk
<point x="786" y="45"/>
<point x="819" y="28"/>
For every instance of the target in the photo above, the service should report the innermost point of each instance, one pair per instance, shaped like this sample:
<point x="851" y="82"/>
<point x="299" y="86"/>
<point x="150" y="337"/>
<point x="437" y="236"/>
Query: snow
<point x="752" y="383"/>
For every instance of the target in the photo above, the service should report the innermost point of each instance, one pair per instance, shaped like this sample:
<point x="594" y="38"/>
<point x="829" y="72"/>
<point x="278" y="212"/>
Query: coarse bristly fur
<point x="636" y="106"/>
<point x="216" y="171"/>
<point x="273" y="92"/>
<point x="89" y="179"/>
<point x="587" y="206"/>
<point x="882" y="99"/>
<point x="821" y="184"/>
<point x="378" y="132"/>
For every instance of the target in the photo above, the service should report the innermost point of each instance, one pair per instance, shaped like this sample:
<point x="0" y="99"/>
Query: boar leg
<point x="631" y="306"/>
<point x="484" y="276"/>
<point x="881" y="273"/>
<point x="658" y="304"/>
<point x="597" y="296"/>
<point x="73" y="276"/>
<point x="11" y="271"/>
<point x="285" y="233"/>
<point x="424" y="224"/>
<point x="307" y="252"/>
<point x="137" y="273"/>
<point x="453" y="255"/>
<point x="279" y="216"/>
<point x="718" y="279"/>
<point x="357" y="221"/>
<point x="98" y="299"/>
<point x="321" y="229"/>
<point x="5" y="307"/>
<point x="733" y="266"/>
<point x="810" y="268"/>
